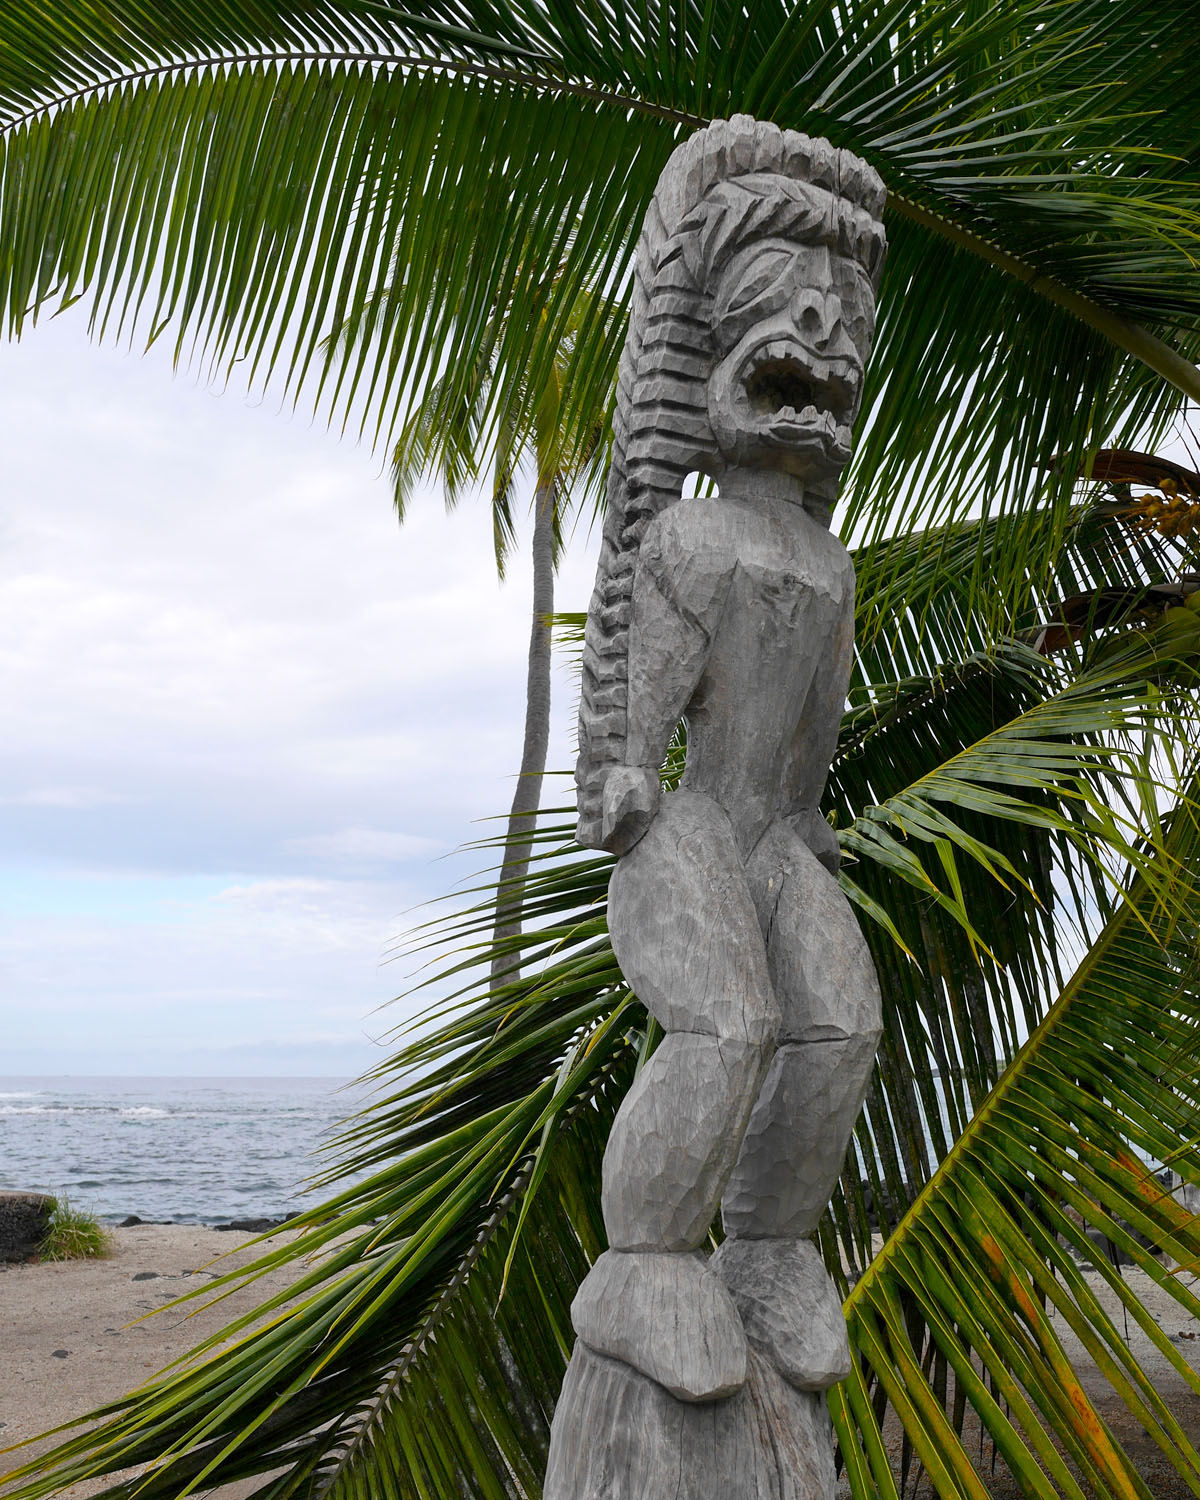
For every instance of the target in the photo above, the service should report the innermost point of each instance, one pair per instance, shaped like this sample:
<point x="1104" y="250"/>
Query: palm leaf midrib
<point x="1005" y="1085"/>
<point x="953" y="220"/>
<point x="545" y="83"/>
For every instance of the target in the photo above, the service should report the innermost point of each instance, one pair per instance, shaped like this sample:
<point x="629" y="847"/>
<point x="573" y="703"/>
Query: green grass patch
<point x="74" y="1234"/>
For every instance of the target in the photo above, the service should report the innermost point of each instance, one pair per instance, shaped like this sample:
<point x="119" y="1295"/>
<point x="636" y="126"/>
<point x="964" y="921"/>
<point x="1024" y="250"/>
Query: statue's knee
<point x="818" y="961"/>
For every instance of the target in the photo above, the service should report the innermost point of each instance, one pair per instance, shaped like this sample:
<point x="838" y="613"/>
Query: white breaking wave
<point x="198" y="1150"/>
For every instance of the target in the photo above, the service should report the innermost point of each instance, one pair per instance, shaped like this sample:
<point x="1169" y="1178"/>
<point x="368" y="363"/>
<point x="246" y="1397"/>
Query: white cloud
<point x="66" y="797"/>
<point x="358" y="846"/>
<point x="270" y="890"/>
<point x="155" y="966"/>
<point x="244" y="712"/>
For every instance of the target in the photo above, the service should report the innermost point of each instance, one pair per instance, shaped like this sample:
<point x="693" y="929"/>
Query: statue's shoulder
<point x="690" y="552"/>
<point x="702" y="525"/>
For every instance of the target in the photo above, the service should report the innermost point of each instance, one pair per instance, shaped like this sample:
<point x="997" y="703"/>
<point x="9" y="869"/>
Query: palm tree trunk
<point x="522" y="817"/>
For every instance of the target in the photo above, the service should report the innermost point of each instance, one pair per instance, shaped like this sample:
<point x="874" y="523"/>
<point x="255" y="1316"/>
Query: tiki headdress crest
<point x="711" y="375"/>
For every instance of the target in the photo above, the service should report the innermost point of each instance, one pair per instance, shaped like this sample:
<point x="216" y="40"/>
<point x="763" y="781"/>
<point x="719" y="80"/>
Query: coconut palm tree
<point x="413" y="455"/>
<point x="444" y="434"/>
<point x="243" y="178"/>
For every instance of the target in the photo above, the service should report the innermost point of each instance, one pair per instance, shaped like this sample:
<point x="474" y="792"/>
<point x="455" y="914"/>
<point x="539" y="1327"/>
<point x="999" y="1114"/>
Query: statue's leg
<point x="685" y="930"/>
<point x="800" y="1128"/>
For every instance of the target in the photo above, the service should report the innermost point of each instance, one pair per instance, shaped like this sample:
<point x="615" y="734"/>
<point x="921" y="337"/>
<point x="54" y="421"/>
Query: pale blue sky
<point x="246" y="717"/>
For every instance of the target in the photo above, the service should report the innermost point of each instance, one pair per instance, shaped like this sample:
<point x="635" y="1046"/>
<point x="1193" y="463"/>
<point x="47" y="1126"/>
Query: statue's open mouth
<point x="800" y="400"/>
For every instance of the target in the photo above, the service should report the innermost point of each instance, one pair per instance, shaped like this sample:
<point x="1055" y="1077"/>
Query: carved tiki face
<point x="792" y="325"/>
<point x="786" y="270"/>
<point x="752" y="312"/>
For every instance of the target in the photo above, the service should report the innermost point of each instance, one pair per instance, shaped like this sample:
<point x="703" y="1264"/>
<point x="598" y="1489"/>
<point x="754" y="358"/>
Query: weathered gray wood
<point x="755" y="685"/>
<point x="820" y="966"/>
<point x="684" y="927"/>
<point x="789" y="1307"/>
<point x="751" y="320"/>
<point x="628" y="1302"/>
<point x="619" y="1436"/>
<point x="676" y="1139"/>
<point x="796" y="1141"/>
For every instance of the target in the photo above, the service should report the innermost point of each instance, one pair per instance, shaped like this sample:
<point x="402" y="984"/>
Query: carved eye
<point x="763" y="274"/>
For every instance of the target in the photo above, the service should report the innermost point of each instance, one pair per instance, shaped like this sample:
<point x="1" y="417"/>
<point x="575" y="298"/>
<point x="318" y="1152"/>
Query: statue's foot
<point x="789" y="1308"/>
<point x="668" y="1316"/>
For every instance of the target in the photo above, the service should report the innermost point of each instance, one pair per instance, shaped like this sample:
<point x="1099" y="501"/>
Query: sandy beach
<point x="68" y="1329"/>
<point x="70" y="1341"/>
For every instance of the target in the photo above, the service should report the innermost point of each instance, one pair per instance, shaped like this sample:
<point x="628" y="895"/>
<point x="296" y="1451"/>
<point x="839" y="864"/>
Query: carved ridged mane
<point x="661" y="431"/>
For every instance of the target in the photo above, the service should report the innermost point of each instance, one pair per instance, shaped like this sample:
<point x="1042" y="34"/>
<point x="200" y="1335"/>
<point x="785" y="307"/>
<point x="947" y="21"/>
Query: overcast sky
<point x="246" y="717"/>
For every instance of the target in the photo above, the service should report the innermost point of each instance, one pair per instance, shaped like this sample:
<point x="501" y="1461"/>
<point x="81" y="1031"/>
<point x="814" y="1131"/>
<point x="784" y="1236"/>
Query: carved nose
<point x="818" y="316"/>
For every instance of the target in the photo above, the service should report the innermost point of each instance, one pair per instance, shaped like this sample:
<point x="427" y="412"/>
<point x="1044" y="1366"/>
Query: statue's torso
<point x="771" y="588"/>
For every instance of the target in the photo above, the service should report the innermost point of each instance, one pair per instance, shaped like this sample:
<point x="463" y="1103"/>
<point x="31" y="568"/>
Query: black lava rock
<point x="24" y="1218"/>
<point x="257" y="1226"/>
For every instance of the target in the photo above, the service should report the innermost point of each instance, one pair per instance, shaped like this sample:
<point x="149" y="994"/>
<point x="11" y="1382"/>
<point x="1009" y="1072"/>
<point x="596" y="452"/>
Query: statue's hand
<point x="819" y="836"/>
<point x="631" y="798"/>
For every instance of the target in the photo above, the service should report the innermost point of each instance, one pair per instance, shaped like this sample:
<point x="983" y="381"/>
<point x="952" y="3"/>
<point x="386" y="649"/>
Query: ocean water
<point x="185" y="1150"/>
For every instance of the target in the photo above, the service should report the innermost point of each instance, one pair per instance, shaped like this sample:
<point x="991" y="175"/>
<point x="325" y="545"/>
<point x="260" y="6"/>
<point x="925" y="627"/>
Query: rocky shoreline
<point x="244" y="1226"/>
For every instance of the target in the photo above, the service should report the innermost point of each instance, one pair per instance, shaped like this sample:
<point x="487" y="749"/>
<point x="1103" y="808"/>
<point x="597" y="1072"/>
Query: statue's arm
<point x="816" y="740"/>
<point x="678" y="593"/>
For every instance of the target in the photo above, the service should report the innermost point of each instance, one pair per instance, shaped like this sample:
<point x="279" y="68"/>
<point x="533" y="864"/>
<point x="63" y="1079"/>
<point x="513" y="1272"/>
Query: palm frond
<point x="245" y="176"/>
<point x="934" y="594"/>
<point x="972" y="1300"/>
<point x="258" y="212"/>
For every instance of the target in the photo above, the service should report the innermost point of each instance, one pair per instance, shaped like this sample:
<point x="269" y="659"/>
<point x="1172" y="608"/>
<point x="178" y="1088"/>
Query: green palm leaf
<point x="244" y="176"/>
<point x="991" y="1248"/>
<point x="929" y="595"/>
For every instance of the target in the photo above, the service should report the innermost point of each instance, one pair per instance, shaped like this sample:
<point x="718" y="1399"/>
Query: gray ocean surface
<point x="184" y="1150"/>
